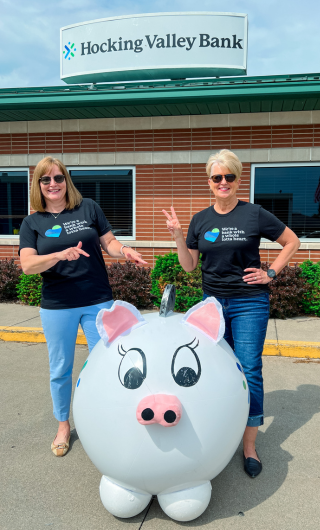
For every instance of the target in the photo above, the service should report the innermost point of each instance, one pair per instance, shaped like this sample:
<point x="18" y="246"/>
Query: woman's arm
<point x="112" y="247"/>
<point x="32" y="263"/>
<point x="188" y="258"/>
<point x="290" y="243"/>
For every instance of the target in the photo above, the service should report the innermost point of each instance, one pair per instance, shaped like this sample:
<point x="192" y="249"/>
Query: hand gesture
<point x="72" y="253"/>
<point x="129" y="253"/>
<point x="256" y="276"/>
<point x="173" y="224"/>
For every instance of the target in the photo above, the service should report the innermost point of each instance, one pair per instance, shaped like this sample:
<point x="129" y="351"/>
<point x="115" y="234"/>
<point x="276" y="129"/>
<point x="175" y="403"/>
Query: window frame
<point x="280" y="164"/>
<point x="115" y="168"/>
<point x="8" y="169"/>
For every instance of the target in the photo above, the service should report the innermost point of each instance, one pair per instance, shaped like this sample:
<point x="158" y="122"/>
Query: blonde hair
<point x="37" y="200"/>
<point x="226" y="159"/>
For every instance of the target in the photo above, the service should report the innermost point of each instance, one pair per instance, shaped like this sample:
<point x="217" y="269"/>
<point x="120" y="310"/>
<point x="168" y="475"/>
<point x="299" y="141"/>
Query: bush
<point x="131" y="284"/>
<point x="9" y="276"/>
<point x="287" y="292"/>
<point x="188" y="284"/>
<point x="311" y="274"/>
<point x="29" y="288"/>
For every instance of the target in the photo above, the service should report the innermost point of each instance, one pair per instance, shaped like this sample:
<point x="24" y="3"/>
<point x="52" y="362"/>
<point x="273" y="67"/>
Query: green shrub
<point x="287" y="292"/>
<point x="188" y="284"/>
<point x="29" y="288"/>
<point x="131" y="284"/>
<point x="9" y="277"/>
<point x="311" y="274"/>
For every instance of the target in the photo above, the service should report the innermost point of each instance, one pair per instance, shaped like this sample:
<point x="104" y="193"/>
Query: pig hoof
<point x="120" y="501"/>
<point x="186" y="505"/>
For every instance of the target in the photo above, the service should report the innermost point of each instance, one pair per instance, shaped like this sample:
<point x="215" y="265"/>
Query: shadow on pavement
<point x="233" y="491"/>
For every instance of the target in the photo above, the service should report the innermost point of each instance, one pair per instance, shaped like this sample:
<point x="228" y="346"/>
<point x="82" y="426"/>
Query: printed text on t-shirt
<point x="75" y="226"/>
<point x="232" y="234"/>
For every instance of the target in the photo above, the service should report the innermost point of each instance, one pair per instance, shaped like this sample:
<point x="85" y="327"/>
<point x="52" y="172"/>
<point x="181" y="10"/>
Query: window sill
<point x="267" y="245"/>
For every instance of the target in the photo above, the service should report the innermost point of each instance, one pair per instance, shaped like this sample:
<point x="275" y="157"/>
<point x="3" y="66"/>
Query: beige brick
<point x="44" y="126"/>
<point x="70" y="125"/>
<point x="97" y="124"/>
<point x="132" y="124"/>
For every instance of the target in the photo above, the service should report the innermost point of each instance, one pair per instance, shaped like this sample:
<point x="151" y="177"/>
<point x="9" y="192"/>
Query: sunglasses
<point x="57" y="178"/>
<point x="218" y="178"/>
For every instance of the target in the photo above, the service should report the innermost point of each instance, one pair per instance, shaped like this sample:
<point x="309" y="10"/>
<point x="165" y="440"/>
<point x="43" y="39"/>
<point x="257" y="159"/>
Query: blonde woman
<point x="62" y="241"/>
<point x="228" y="235"/>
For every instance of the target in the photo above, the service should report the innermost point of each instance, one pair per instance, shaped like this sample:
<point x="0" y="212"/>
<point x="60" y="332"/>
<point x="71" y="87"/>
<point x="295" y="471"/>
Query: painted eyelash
<point x="122" y="354"/>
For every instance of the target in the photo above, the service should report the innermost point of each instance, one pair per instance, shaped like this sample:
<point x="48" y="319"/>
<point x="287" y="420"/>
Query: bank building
<point x="146" y="100"/>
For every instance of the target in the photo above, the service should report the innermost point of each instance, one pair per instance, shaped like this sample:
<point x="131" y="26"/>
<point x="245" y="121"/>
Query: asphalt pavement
<point x="40" y="491"/>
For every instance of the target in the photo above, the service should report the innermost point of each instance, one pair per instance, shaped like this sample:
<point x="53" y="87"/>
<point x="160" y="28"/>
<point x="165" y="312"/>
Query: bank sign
<point x="154" y="46"/>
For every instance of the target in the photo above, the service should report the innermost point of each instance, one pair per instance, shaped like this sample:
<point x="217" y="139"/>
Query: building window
<point x="113" y="190"/>
<point x="13" y="200"/>
<point x="291" y="193"/>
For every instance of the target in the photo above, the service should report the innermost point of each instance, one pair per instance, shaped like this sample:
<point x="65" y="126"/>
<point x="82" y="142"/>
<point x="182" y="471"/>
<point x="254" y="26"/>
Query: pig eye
<point x="133" y="368"/>
<point x="186" y="367"/>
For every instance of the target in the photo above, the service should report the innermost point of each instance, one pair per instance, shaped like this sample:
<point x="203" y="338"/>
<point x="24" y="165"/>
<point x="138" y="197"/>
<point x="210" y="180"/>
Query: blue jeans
<point x="246" y="322"/>
<point x="60" y="328"/>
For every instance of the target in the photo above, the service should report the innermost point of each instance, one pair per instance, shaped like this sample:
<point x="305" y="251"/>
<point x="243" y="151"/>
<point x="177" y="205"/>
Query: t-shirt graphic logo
<point x="55" y="231"/>
<point x="212" y="236"/>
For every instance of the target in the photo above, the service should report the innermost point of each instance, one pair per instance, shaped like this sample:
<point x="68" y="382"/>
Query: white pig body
<point x="139" y="459"/>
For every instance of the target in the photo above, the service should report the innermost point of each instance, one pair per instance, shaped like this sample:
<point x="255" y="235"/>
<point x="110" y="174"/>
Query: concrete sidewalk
<point x="294" y="337"/>
<point x="39" y="491"/>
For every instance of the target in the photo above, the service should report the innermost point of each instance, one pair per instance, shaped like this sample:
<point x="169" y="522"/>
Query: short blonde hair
<point x="38" y="203"/>
<point x="226" y="159"/>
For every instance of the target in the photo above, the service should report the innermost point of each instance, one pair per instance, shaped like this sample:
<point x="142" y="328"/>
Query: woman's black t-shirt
<point x="229" y="243"/>
<point x="77" y="283"/>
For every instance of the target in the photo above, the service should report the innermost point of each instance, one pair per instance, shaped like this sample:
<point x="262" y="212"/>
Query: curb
<point x="16" y="334"/>
<point x="275" y="348"/>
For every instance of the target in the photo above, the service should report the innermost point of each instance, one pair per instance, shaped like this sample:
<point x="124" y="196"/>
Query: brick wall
<point x="183" y="186"/>
<point x="251" y="137"/>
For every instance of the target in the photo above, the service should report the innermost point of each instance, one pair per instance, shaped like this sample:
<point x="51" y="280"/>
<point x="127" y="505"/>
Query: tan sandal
<point x="60" y="449"/>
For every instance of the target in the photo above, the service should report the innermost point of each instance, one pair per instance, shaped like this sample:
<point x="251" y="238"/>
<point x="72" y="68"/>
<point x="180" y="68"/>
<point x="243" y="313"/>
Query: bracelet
<point x="123" y="246"/>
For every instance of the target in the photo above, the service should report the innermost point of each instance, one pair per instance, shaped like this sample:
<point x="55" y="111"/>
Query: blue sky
<point x="283" y="34"/>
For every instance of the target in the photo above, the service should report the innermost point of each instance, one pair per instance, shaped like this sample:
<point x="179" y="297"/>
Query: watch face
<point x="271" y="273"/>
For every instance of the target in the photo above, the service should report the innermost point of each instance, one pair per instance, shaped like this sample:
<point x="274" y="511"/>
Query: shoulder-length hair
<point x="226" y="159"/>
<point x="37" y="200"/>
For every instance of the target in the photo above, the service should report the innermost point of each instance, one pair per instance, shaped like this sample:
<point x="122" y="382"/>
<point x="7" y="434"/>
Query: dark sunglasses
<point x="57" y="178"/>
<point x="218" y="178"/>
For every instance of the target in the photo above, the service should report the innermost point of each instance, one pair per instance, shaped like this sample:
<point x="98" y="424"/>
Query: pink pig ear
<point x="120" y="319"/>
<point x="207" y="317"/>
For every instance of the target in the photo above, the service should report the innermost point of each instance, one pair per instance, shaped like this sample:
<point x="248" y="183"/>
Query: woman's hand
<point x="256" y="276"/>
<point x="72" y="253"/>
<point x="129" y="253"/>
<point x="173" y="224"/>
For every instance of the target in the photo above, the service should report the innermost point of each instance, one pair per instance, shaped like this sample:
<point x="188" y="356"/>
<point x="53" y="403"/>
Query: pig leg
<point x="120" y="501"/>
<point x="188" y="504"/>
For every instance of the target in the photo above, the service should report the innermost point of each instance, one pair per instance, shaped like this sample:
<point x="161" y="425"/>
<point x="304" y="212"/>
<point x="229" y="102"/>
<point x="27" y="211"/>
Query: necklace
<point x="55" y="216"/>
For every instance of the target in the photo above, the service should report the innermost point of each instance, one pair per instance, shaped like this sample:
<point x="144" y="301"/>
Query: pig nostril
<point x="147" y="414"/>
<point x="170" y="416"/>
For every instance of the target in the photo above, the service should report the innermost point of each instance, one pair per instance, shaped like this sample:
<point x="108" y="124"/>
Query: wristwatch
<point x="271" y="273"/>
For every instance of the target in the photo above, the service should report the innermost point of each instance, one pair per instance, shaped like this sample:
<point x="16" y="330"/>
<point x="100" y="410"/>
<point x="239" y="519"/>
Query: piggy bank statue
<point x="160" y="407"/>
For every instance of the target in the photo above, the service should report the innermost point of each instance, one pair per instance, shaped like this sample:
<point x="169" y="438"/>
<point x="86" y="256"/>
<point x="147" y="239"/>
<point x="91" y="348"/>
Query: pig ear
<point x="120" y="319"/>
<point x="207" y="317"/>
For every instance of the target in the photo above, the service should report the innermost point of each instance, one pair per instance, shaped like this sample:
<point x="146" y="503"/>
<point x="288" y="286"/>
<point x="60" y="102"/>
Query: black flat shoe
<point x="252" y="466"/>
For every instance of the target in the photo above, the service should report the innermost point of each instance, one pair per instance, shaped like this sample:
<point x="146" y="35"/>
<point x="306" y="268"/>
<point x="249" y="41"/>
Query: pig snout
<point x="159" y="408"/>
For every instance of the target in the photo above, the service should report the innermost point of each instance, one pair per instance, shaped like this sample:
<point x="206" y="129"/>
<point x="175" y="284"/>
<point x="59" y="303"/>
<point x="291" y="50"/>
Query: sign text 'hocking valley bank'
<point x="203" y="40"/>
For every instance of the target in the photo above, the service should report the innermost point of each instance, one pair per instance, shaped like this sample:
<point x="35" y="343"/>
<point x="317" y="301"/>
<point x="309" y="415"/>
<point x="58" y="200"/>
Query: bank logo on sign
<point x="70" y="50"/>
